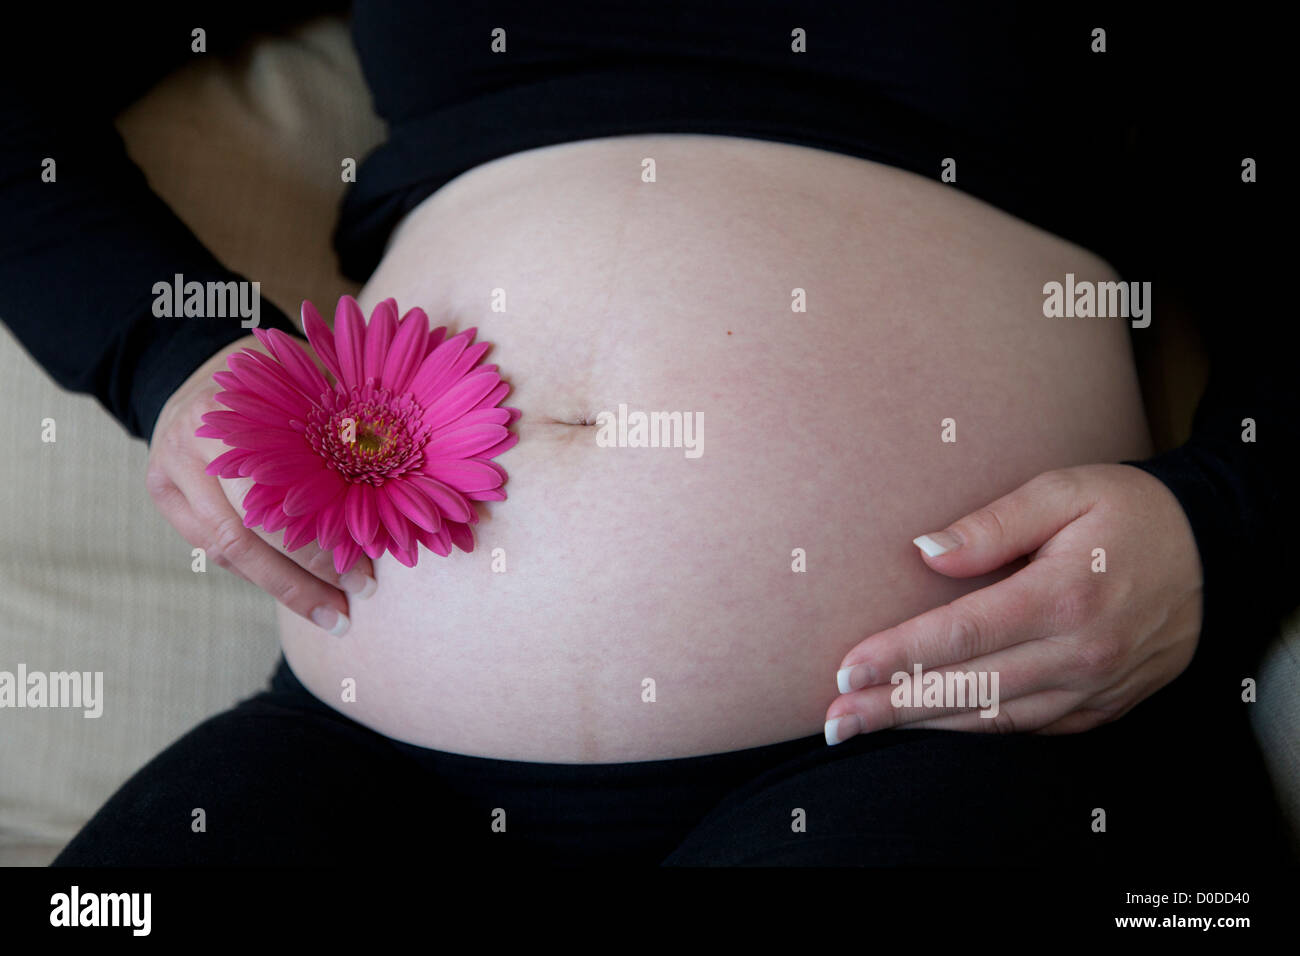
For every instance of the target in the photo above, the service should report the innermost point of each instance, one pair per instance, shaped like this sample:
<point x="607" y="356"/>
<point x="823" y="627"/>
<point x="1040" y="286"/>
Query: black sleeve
<point x="1211" y="243"/>
<point x="80" y="255"/>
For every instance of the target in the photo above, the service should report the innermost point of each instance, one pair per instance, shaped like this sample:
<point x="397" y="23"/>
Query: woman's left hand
<point x="1073" y="646"/>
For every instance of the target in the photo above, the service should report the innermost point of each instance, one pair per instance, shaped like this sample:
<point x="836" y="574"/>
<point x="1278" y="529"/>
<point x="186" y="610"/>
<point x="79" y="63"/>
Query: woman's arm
<point x="88" y="252"/>
<point x="1236" y="479"/>
<point x="1218" y="244"/>
<point x="84" y="240"/>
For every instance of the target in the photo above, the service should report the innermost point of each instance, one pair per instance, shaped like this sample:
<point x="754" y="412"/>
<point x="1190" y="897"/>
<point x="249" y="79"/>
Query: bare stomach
<point x="639" y="603"/>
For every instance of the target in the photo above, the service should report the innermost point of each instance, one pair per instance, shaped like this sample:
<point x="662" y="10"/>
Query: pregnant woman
<point x="819" y="239"/>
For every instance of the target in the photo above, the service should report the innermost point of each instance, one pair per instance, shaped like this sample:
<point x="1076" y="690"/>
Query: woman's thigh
<point x="1178" y="781"/>
<point x="903" y="797"/>
<point x="273" y="781"/>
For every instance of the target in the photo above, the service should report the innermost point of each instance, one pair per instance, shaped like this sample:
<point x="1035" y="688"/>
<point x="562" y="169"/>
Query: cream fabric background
<point x="248" y="152"/>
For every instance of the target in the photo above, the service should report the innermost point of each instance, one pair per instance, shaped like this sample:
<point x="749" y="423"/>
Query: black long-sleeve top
<point x="1136" y="152"/>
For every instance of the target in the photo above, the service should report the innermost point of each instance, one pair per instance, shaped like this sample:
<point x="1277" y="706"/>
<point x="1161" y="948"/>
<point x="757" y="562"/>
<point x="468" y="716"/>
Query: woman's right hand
<point x="206" y="510"/>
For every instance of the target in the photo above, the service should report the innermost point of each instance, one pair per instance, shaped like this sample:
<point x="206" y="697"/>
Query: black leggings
<point x="284" y="779"/>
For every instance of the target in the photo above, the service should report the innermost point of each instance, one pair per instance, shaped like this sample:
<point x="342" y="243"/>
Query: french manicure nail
<point x="358" y="584"/>
<point x="849" y="679"/>
<point x="840" y="729"/>
<point x="328" y="619"/>
<point x="941" y="542"/>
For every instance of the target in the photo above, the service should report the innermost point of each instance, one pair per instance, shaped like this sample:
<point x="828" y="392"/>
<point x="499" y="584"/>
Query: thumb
<point x="1012" y="526"/>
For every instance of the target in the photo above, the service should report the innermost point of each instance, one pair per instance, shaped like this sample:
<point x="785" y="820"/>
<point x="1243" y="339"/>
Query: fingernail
<point x="328" y="619"/>
<point x="358" y="584"/>
<point x="840" y="729"/>
<point x="941" y="542"/>
<point x="849" y="679"/>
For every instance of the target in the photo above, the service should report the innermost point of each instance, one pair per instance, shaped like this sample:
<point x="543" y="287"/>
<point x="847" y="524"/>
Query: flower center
<point x="371" y="438"/>
<point x="368" y="434"/>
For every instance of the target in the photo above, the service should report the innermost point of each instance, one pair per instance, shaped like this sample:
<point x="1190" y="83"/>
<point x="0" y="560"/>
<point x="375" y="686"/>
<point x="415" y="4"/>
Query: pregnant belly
<point x="824" y="323"/>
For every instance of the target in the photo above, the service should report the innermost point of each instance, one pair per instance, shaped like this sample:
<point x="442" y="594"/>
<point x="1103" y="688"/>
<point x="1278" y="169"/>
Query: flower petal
<point x="464" y="443"/>
<point x="395" y="522"/>
<point x="439" y="542"/>
<point x="227" y="379"/>
<point x="413" y="503"/>
<point x="449" y="501"/>
<point x="262" y="496"/>
<point x="350" y="339"/>
<point x="227" y="420"/>
<point x="379" y="338"/>
<point x="331" y="528"/>
<point x="314" y="492"/>
<point x="227" y="464"/>
<point x="345" y="555"/>
<point x="278" y="467"/>
<point x="406" y="557"/>
<point x="465" y="474"/>
<point x="461" y="536"/>
<point x="299" y="531"/>
<point x="431" y="370"/>
<point x="479" y="416"/>
<point x="268" y="439"/>
<point x="458" y="370"/>
<point x="460" y="398"/>
<point x="377" y="547"/>
<point x="494" y="397"/>
<point x="409" y="349"/>
<point x="321" y="339"/>
<point x="361" y="512"/>
<point x="254" y="408"/>
<point x="275" y="520"/>
<point x="296" y="361"/>
<point x="505" y="444"/>
<point x="269" y="370"/>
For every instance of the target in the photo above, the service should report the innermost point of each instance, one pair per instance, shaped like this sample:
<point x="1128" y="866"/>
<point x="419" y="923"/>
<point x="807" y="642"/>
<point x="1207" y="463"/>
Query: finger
<point x="359" y="581"/>
<point x="986" y="685"/>
<point x="1001" y="615"/>
<point x="1012" y="526"/>
<point x="173" y="506"/>
<point x="1114" y="702"/>
<point x="1024" y="715"/>
<point x="231" y="545"/>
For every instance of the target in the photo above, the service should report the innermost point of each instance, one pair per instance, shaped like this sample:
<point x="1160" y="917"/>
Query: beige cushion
<point x="248" y="152"/>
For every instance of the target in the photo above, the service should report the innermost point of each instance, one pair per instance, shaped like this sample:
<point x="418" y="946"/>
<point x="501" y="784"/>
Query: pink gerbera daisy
<point x="389" y="455"/>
